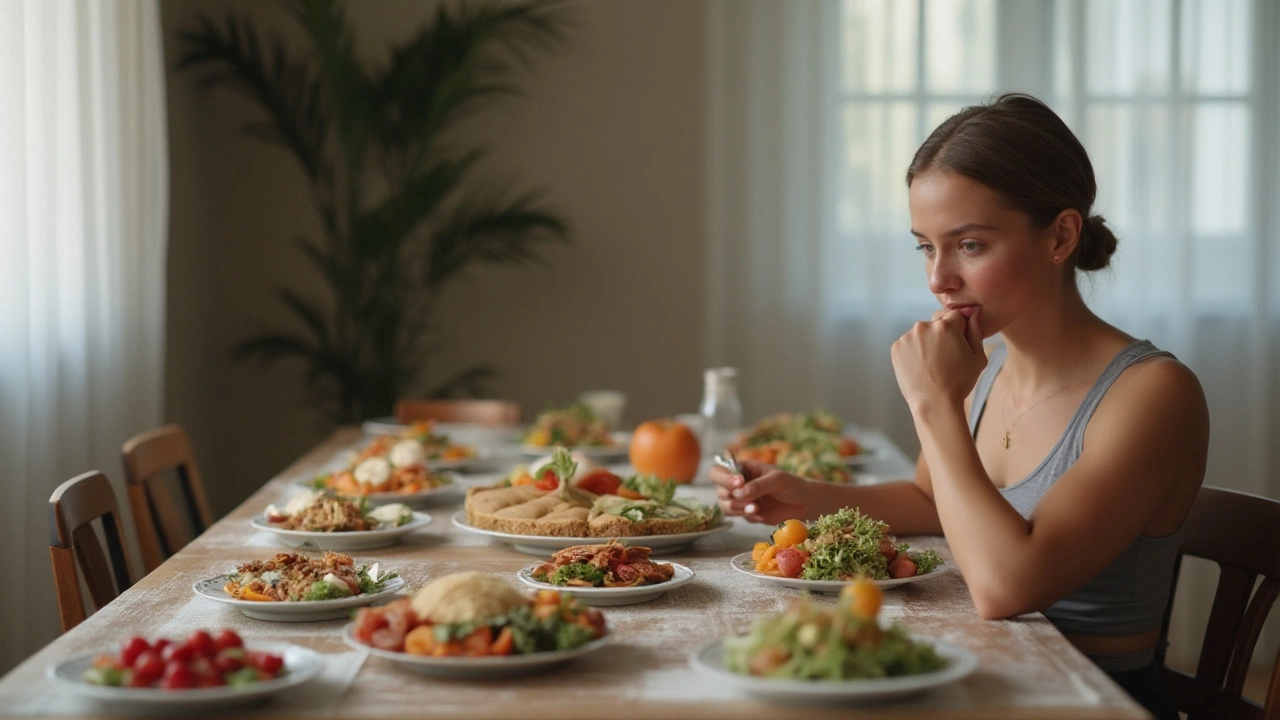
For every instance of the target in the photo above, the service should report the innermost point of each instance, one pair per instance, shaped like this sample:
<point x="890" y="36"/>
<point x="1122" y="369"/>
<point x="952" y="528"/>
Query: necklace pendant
<point x="1006" y="440"/>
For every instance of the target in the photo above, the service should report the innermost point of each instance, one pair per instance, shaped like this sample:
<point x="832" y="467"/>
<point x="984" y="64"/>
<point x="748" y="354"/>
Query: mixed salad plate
<point x="828" y="553"/>
<point x="477" y="667"/>
<point x="327" y="521"/>
<point x="295" y="588"/>
<point x="824" y="653"/>
<point x="960" y="663"/>
<point x="82" y="677"/>
<point x="606" y="574"/>
<point x="478" y="625"/>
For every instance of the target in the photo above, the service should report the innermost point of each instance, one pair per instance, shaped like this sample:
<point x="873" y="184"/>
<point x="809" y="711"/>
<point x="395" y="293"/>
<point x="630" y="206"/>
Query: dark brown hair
<point x="1021" y="149"/>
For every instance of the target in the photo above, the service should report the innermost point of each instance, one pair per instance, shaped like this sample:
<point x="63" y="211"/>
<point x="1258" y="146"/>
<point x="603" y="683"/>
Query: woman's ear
<point x="1066" y="230"/>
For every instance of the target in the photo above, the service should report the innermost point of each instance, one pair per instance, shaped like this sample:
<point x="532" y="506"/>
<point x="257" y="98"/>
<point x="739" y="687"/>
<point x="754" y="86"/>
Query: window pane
<point x="880" y="138"/>
<point x="879" y="46"/>
<point x="960" y="46"/>
<point x="1127" y="46"/>
<point x="1129" y="146"/>
<point x="1216" y="46"/>
<point x="1219" y="167"/>
<point x="1222" y="273"/>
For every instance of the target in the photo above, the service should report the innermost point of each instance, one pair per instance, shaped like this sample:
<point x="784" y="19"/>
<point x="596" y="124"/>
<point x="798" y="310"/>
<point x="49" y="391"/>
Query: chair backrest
<point x="1237" y="531"/>
<point x="481" y="412"/>
<point x="74" y="505"/>
<point x="163" y="528"/>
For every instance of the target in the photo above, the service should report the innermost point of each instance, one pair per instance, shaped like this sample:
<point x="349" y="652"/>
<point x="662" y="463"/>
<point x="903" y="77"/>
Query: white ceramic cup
<point x="607" y="404"/>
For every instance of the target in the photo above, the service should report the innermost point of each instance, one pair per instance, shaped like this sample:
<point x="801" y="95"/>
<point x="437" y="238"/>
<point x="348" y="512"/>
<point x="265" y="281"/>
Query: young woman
<point x="1059" y="466"/>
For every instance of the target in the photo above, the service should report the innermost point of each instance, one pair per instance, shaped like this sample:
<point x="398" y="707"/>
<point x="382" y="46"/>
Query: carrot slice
<point x="236" y="591"/>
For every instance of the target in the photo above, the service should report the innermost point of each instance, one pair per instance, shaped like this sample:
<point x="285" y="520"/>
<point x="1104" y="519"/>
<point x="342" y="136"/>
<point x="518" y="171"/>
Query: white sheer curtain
<point x="816" y="108"/>
<point x="83" y="231"/>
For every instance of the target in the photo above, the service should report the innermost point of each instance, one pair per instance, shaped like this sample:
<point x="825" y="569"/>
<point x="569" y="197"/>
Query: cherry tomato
<point x="369" y="620"/>
<point x="791" y="562"/>
<point x="548" y="481"/>
<point x="268" y="663"/>
<point x="790" y="534"/>
<point x="149" y="666"/>
<point x="177" y="676"/>
<point x="902" y="567"/>
<point x="601" y="482"/>
<point x="180" y="652"/>
<point x="227" y="639"/>
<point x="210" y="680"/>
<point x="229" y="660"/>
<point x="201" y="643"/>
<point x="133" y="647"/>
<point x="862" y="598"/>
<point x="160" y="644"/>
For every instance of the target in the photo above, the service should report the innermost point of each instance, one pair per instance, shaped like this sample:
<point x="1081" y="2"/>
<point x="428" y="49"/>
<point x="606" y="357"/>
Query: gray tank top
<point x="1129" y="596"/>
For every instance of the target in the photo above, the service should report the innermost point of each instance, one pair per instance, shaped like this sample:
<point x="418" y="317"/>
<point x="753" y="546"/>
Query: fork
<point x="728" y="462"/>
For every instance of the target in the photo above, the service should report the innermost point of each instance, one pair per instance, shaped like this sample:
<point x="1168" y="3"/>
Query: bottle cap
<point x="721" y="380"/>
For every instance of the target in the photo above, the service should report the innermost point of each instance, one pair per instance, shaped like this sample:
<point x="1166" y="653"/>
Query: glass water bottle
<point x="721" y="410"/>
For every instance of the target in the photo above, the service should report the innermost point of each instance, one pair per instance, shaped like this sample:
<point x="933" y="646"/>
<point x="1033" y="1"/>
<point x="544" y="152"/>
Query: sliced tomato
<point x="601" y="482"/>
<point x="548" y="481"/>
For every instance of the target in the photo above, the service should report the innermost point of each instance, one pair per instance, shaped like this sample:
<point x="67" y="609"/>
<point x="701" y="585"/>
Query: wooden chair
<point x="481" y="412"/>
<point x="72" y="509"/>
<point x="1238" y="532"/>
<point x="162" y="527"/>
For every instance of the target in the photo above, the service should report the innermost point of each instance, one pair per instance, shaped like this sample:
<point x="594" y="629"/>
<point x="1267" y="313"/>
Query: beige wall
<point x="611" y="126"/>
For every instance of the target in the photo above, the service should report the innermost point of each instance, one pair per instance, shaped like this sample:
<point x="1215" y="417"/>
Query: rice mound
<point x="466" y="597"/>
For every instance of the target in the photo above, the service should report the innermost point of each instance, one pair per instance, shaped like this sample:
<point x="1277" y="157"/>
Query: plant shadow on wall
<point x="401" y="211"/>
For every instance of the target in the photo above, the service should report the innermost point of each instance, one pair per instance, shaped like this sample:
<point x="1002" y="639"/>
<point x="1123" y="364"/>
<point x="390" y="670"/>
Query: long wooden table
<point x="1028" y="670"/>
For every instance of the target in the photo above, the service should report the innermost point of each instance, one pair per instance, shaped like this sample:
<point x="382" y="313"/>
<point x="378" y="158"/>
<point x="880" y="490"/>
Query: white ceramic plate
<point x="547" y="544"/>
<point x="296" y="611"/>
<point x="960" y="663"/>
<point x="343" y="460"/>
<point x="302" y="664"/>
<point x="621" y="446"/>
<point x="343" y="541"/>
<point x="435" y="495"/>
<point x="476" y="667"/>
<point x="611" y="596"/>
<point x="744" y="564"/>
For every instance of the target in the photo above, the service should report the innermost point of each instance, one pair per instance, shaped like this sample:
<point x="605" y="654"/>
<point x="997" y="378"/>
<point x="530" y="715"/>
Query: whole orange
<point x="667" y="449"/>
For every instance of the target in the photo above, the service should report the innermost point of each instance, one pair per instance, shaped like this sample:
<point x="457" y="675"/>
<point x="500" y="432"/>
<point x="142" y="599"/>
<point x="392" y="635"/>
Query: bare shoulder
<point x="1148" y="441"/>
<point x="1163" y="381"/>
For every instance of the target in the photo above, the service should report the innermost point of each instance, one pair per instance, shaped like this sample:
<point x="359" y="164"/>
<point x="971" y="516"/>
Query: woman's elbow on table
<point x="999" y="596"/>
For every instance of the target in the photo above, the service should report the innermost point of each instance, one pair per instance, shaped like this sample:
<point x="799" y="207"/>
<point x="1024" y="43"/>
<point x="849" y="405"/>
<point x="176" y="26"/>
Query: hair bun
<point x="1097" y="244"/>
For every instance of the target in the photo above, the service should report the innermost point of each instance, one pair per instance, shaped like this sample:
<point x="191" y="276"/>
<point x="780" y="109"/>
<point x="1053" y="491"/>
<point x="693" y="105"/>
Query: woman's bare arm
<point x="1148" y="435"/>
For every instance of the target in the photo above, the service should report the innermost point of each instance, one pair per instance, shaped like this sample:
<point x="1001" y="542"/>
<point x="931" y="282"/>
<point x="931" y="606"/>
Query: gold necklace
<point x="1008" y="429"/>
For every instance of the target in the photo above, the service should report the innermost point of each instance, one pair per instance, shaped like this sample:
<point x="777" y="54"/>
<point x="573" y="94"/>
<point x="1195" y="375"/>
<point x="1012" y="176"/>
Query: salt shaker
<point x="721" y="410"/>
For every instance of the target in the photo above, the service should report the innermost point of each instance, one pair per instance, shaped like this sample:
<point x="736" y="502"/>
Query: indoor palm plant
<point x="401" y="210"/>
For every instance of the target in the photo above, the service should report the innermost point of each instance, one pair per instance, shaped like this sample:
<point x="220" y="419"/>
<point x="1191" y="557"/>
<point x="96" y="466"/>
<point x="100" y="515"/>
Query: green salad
<point x="847" y="544"/>
<point x="814" y="642"/>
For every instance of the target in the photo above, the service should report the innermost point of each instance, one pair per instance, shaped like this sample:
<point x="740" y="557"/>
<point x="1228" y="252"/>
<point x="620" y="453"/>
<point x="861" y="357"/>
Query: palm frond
<point x="491" y="230"/>
<point x="343" y="78"/>
<point x="446" y="69"/>
<point x="310" y="314"/>
<point x="387" y="225"/>
<point x="233" y="57"/>
<point x="271" y="347"/>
